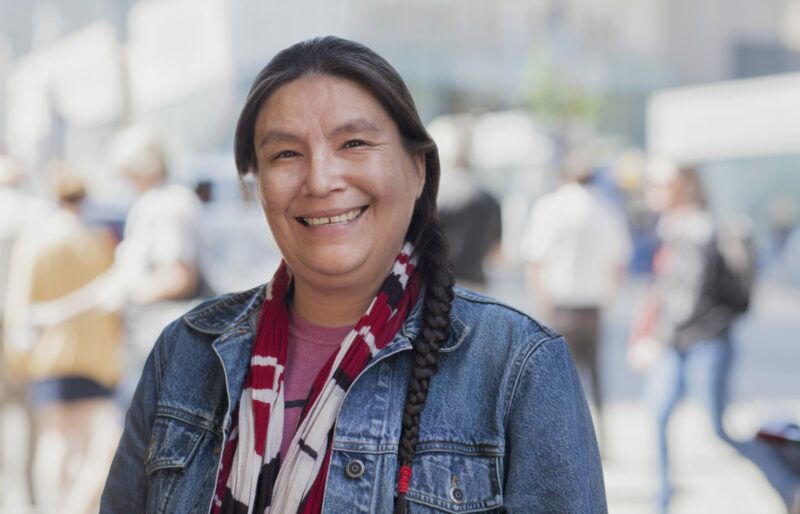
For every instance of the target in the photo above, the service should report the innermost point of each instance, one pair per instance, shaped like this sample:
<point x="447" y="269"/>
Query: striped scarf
<point x="253" y="477"/>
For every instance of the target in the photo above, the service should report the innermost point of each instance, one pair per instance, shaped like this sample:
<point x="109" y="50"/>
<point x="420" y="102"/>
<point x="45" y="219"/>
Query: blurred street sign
<point x="509" y="139"/>
<point x="737" y="118"/>
<point x="79" y="78"/>
<point x="87" y="76"/>
<point x="176" y="48"/>
<point x="28" y="116"/>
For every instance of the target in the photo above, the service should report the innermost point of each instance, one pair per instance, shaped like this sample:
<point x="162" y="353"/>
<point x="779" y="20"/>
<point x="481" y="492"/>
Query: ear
<point x="419" y="168"/>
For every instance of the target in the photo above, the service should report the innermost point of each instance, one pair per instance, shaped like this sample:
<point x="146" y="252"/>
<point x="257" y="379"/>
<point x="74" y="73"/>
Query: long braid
<point x="438" y="279"/>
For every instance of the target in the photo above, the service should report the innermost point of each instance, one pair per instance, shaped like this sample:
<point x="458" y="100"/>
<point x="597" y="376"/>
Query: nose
<point x="324" y="174"/>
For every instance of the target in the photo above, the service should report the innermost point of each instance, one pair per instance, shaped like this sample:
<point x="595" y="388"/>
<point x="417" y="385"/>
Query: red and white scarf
<point x="253" y="476"/>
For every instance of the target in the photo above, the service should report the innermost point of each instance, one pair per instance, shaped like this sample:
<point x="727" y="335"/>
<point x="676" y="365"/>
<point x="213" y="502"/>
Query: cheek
<point x="263" y="197"/>
<point x="275" y="194"/>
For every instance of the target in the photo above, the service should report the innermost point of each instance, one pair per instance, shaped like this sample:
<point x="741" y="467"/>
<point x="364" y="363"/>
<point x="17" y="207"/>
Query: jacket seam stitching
<point x="235" y="332"/>
<point x="482" y="450"/>
<point x="465" y="330"/>
<point x="157" y="356"/>
<point x="220" y="304"/>
<point x="471" y="297"/>
<point x="486" y="452"/>
<point x="518" y="368"/>
<point x="439" y="503"/>
<point x="188" y="418"/>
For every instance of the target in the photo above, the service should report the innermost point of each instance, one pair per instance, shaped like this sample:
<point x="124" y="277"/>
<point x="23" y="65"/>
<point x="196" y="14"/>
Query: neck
<point x="330" y="307"/>
<point x="687" y="207"/>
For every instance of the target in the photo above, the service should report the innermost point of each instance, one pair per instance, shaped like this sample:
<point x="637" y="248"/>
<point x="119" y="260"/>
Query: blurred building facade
<point x="72" y="71"/>
<point x="452" y="52"/>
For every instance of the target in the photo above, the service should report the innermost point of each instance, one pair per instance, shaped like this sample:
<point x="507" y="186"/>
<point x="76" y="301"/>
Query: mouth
<point x="340" y="219"/>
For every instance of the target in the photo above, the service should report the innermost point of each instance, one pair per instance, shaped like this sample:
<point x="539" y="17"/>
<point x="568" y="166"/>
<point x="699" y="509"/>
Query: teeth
<point x="334" y="220"/>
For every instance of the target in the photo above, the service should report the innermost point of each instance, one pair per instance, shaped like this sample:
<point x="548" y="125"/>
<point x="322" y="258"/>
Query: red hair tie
<point x="405" y="478"/>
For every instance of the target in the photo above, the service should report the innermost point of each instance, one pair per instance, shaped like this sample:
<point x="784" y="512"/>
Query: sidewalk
<point x="709" y="477"/>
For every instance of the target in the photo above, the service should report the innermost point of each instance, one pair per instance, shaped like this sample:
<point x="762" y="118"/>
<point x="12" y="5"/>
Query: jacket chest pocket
<point x="453" y="482"/>
<point x="173" y="446"/>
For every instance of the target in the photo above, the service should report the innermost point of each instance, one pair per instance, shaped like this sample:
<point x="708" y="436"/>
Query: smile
<point x="335" y="220"/>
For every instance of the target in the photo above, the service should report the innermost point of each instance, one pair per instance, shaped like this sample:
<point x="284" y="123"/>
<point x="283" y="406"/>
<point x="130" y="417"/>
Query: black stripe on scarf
<point x="309" y="450"/>
<point x="341" y="378"/>
<point x="292" y="404"/>
<point x="230" y="505"/>
<point x="266" y="480"/>
<point x="393" y="290"/>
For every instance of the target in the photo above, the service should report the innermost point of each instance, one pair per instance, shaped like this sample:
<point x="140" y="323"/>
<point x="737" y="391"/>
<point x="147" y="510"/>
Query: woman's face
<point x="660" y="197"/>
<point x="336" y="183"/>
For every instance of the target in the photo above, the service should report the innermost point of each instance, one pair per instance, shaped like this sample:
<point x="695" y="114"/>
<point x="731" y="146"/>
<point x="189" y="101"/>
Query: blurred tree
<point x="556" y="95"/>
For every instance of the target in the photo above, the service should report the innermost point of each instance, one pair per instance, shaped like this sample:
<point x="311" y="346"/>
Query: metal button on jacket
<point x="354" y="468"/>
<point x="457" y="495"/>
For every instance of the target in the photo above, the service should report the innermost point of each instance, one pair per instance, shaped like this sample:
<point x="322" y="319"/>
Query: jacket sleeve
<point x="126" y="486"/>
<point x="552" y="459"/>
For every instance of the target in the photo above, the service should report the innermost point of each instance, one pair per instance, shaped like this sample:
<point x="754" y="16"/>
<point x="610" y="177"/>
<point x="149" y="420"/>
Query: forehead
<point x="321" y="100"/>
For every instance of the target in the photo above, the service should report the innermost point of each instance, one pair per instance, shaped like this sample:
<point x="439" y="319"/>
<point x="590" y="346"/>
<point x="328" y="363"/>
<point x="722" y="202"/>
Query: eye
<point x="353" y="143"/>
<point x="284" y="154"/>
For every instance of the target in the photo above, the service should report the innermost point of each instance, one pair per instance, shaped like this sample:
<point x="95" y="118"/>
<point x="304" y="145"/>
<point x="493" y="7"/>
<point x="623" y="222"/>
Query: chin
<point x="332" y="267"/>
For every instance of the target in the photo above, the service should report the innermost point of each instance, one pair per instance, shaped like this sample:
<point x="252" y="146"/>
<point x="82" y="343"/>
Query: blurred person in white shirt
<point x="157" y="257"/>
<point x="577" y="247"/>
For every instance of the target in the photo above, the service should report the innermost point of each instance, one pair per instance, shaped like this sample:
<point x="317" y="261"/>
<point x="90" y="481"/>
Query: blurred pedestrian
<point x="702" y="279"/>
<point x="157" y="257"/>
<point x="469" y="214"/>
<point x="18" y="208"/>
<point x="577" y="247"/>
<point x="72" y="367"/>
<point x="155" y="273"/>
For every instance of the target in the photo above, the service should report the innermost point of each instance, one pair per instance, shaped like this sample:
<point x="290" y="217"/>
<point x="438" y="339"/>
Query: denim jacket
<point x="505" y="429"/>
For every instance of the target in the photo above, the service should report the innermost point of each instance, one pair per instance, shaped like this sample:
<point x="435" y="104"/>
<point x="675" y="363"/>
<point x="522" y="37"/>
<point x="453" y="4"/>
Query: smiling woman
<point x="358" y="378"/>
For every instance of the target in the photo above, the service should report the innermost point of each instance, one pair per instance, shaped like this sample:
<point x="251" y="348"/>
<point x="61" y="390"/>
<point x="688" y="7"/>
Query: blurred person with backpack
<point x="70" y="368"/>
<point x="702" y="282"/>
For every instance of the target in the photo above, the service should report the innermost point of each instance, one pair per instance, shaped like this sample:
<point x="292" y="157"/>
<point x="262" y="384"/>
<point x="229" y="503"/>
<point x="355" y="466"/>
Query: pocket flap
<point x="454" y="482"/>
<point x="173" y="443"/>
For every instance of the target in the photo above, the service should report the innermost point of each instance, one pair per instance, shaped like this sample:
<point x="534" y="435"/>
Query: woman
<point x="700" y="287"/>
<point x="320" y="390"/>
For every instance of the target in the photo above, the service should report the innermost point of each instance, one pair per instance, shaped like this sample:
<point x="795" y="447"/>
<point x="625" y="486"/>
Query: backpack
<point x="735" y="263"/>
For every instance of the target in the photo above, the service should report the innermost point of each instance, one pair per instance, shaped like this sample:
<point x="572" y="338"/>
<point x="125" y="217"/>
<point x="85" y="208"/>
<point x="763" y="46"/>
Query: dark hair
<point x="690" y="186"/>
<point x="353" y="61"/>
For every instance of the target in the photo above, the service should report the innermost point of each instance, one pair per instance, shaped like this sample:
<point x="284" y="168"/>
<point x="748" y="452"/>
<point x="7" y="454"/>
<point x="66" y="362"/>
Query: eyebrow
<point x="277" y="135"/>
<point x="356" y="125"/>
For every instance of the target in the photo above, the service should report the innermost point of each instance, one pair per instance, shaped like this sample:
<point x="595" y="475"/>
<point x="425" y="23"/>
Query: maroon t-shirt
<point x="310" y="347"/>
